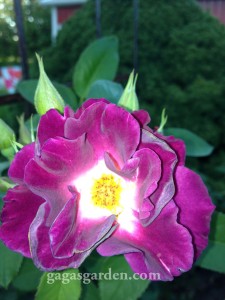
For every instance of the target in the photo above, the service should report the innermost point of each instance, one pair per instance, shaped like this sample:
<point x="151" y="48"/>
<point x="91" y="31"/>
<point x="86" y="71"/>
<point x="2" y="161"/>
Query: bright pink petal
<point x="144" y="168"/>
<point x="47" y="185"/>
<point x="68" y="112"/>
<point x="142" y="116"/>
<point x="121" y="133"/>
<point x="89" y="121"/>
<point x="195" y="206"/>
<point x="16" y="170"/>
<point x="108" y="128"/>
<point x="18" y="212"/>
<point x="149" y="173"/>
<point x="51" y="125"/>
<point x="61" y="161"/>
<point x="163" y="247"/>
<point x="177" y="145"/>
<point x="88" y="103"/>
<point x="129" y="170"/>
<point x="68" y="159"/>
<point x="70" y="233"/>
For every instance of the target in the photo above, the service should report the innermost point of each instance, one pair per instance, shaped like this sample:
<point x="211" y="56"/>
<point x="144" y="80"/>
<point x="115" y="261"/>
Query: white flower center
<point x="103" y="193"/>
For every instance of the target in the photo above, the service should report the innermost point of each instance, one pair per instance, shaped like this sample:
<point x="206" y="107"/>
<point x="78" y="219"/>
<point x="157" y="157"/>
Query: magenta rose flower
<point x="100" y="178"/>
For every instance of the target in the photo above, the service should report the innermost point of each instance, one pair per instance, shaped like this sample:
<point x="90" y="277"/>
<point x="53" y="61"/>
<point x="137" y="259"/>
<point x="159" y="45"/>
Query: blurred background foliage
<point x="37" y="30"/>
<point x="37" y="26"/>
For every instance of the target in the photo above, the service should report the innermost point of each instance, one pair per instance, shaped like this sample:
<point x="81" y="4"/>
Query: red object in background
<point x="216" y="8"/>
<point x="65" y="12"/>
<point x="11" y="76"/>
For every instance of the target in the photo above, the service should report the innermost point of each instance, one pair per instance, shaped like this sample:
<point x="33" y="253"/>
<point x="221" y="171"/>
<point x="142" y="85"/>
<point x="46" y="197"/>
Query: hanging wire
<point x="135" y="49"/>
<point x="98" y="18"/>
<point x="21" y="36"/>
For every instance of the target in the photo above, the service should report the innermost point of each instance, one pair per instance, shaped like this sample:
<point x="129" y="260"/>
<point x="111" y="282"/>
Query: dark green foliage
<point x="9" y="113"/>
<point x="37" y="24"/>
<point x="181" y="54"/>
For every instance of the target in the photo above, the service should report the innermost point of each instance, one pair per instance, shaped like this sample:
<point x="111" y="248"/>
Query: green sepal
<point x="129" y="99"/>
<point x="46" y="96"/>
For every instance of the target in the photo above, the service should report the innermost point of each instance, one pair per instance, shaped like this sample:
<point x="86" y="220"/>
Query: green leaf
<point x="98" y="61"/>
<point x="107" y="89"/>
<point x="195" y="145"/>
<point x="28" y="277"/>
<point x="3" y="166"/>
<point x="9" y="266"/>
<point x="33" y="121"/>
<point x="67" y="94"/>
<point x="1" y="204"/>
<point x="111" y="289"/>
<point x="5" y="184"/>
<point x="93" y="263"/>
<point x="64" y="285"/>
<point x="27" y="89"/>
<point x="9" y="153"/>
<point x="91" y="292"/>
<point x="213" y="257"/>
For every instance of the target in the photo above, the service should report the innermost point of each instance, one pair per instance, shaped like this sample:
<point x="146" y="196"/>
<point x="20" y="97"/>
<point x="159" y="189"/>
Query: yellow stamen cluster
<point x="106" y="193"/>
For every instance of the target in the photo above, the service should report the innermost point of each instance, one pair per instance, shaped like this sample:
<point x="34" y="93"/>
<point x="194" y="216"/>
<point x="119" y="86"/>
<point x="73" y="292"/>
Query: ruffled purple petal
<point x="121" y="133"/>
<point x="142" y="116"/>
<point x="51" y="125"/>
<point x="108" y="128"/>
<point x="144" y="168"/>
<point x="47" y="185"/>
<point x="61" y="161"/>
<point x="177" y="145"/>
<point x="41" y="179"/>
<point x="20" y="208"/>
<point x="61" y="232"/>
<point x="40" y="245"/>
<point x="164" y="247"/>
<point x="89" y="121"/>
<point x="88" y="103"/>
<point x="149" y="173"/>
<point x="71" y="233"/>
<point x="129" y="170"/>
<point x="166" y="187"/>
<point x="16" y="170"/>
<point x="68" y="112"/>
<point x="67" y="159"/>
<point x="195" y="206"/>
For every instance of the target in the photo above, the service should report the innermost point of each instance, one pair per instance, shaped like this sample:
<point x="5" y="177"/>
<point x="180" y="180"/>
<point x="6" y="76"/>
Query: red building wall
<point x="215" y="7"/>
<point x="65" y="12"/>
